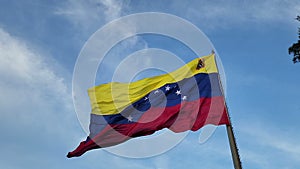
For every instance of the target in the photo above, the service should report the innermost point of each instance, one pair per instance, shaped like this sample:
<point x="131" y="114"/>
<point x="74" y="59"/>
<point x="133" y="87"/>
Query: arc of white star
<point x="167" y="88"/>
<point x="156" y="91"/>
<point x="146" y="98"/>
<point x="178" y="92"/>
<point x="130" y="118"/>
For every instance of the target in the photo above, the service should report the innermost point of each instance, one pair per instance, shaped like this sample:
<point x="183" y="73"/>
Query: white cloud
<point x="35" y="103"/>
<point x="113" y="9"/>
<point x="22" y="66"/>
<point x="30" y="87"/>
<point x="270" y="142"/>
<point x="80" y="13"/>
<point x="90" y="14"/>
<point x="212" y="14"/>
<point x="231" y="13"/>
<point x="275" y="138"/>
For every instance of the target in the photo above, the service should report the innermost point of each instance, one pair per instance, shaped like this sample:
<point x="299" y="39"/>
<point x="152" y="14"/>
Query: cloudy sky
<point x="40" y="42"/>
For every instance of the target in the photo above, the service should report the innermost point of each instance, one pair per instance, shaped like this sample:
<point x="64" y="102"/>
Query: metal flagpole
<point x="234" y="150"/>
<point x="232" y="141"/>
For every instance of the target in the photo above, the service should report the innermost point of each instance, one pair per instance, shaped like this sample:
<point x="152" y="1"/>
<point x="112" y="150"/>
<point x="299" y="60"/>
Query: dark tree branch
<point x="295" y="48"/>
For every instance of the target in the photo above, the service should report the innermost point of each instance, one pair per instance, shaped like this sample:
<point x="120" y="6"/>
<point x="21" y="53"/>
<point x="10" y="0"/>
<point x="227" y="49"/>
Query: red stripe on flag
<point x="191" y="115"/>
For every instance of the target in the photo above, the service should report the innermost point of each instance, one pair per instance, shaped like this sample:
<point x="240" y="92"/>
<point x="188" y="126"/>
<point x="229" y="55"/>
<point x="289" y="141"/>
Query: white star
<point x="178" y="92"/>
<point x="146" y="98"/>
<point x="184" y="97"/>
<point x="167" y="88"/>
<point x="156" y="91"/>
<point x="130" y="118"/>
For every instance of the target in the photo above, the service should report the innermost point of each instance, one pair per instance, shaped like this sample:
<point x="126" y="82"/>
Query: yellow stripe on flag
<point x="112" y="98"/>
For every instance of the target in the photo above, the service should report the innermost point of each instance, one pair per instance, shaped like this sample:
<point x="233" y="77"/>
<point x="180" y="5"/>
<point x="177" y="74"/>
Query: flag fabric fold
<point x="186" y="99"/>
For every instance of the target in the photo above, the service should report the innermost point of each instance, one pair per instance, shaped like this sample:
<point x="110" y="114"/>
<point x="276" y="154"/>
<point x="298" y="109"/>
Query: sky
<point x="40" y="42"/>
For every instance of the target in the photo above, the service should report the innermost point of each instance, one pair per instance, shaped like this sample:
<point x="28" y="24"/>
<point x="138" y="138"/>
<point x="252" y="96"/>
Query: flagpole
<point x="234" y="150"/>
<point x="232" y="141"/>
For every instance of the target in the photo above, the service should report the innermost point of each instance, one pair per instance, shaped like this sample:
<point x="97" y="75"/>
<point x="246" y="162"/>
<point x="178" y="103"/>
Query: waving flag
<point x="186" y="99"/>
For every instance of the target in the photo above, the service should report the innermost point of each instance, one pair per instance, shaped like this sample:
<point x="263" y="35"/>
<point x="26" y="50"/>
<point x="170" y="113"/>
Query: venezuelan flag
<point x="186" y="99"/>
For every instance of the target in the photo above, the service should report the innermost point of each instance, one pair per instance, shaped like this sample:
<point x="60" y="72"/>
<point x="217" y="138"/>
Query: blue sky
<point x="40" y="42"/>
